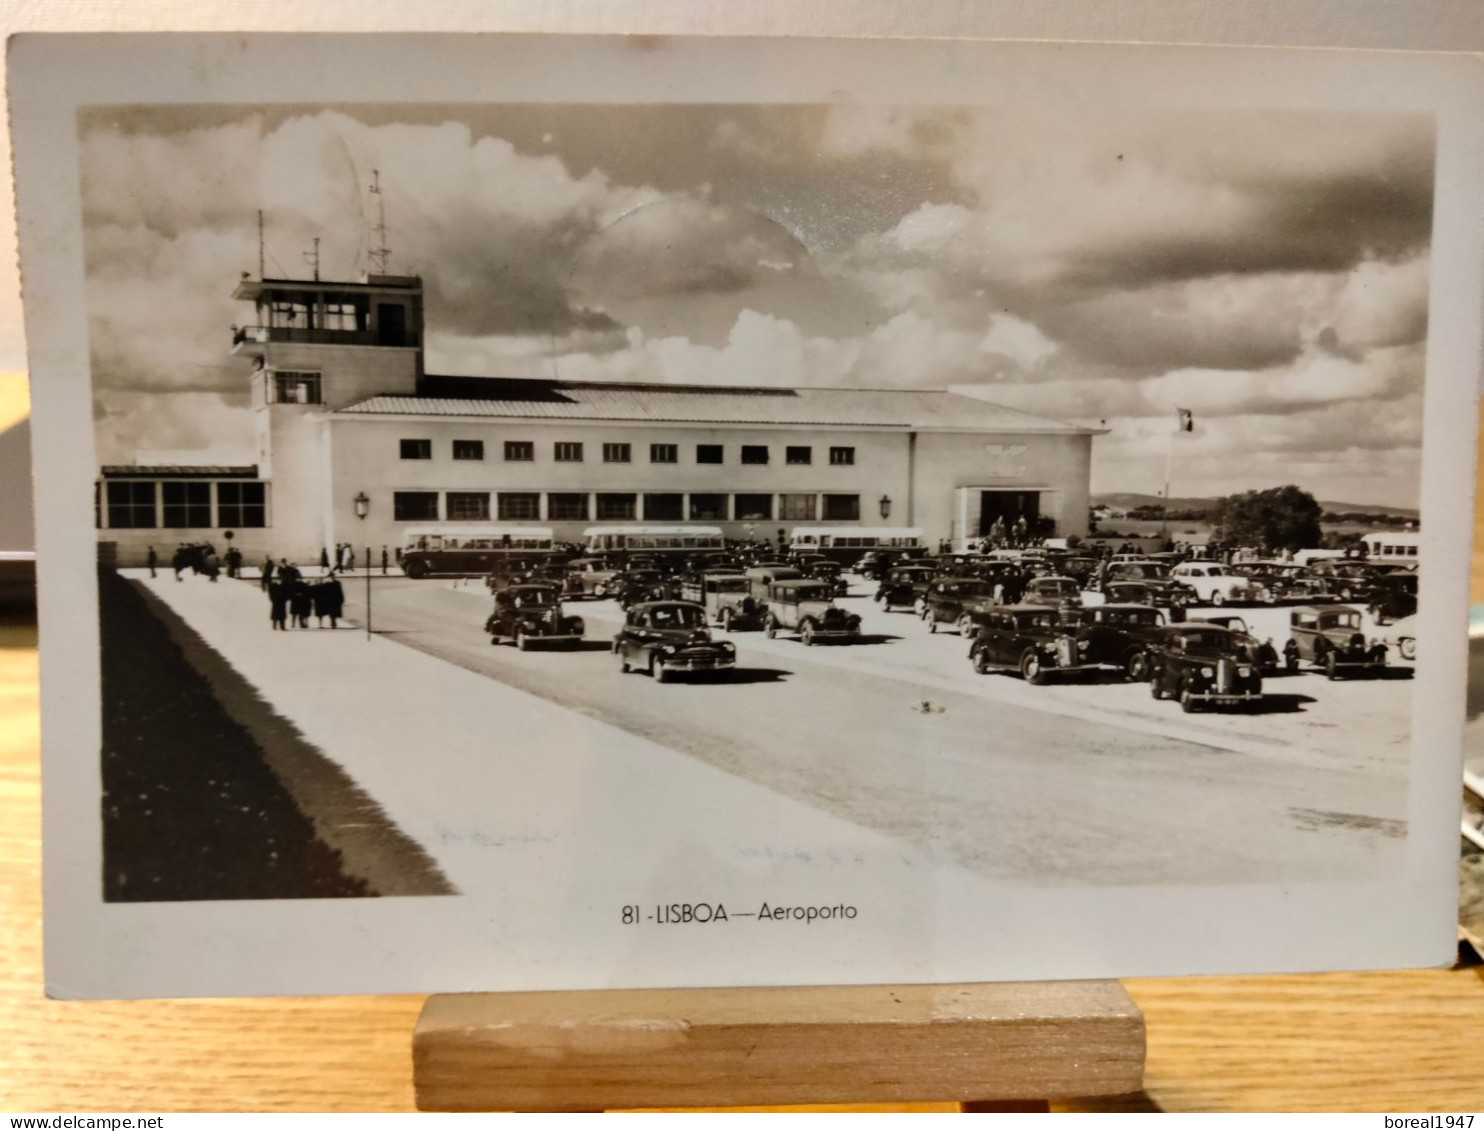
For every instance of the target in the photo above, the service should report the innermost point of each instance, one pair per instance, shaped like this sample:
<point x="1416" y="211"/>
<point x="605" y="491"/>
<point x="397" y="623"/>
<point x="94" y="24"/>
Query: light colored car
<point x="1401" y="634"/>
<point x="1216" y="584"/>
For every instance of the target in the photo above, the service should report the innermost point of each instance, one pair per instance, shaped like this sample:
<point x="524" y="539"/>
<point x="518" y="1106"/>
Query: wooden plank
<point x="776" y="1045"/>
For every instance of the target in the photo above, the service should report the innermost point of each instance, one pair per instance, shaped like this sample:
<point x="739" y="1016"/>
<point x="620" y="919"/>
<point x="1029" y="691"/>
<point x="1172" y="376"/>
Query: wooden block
<point x="599" y="1049"/>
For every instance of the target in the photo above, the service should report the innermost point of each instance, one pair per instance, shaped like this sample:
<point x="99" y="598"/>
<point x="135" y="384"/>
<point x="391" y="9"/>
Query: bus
<point x="846" y="543"/>
<point x="1392" y="546"/>
<point x="637" y="539"/>
<point x="470" y="549"/>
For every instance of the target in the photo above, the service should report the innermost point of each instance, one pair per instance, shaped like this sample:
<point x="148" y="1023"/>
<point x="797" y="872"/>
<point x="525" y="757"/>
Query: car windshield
<point x="809" y="592"/>
<point x="677" y="616"/>
<point x="525" y="597"/>
<point x="1123" y="618"/>
<point x="1340" y="620"/>
<point x="976" y="589"/>
<point x="1061" y="587"/>
<point x="1212" y="640"/>
<point x="729" y="585"/>
<point x="1035" y="620"/>
<point x="1143" y="570"/>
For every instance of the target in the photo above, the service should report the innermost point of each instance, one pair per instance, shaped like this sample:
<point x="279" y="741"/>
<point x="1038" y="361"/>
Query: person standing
<point x="301" y="603"/>
<point x="179" y="561"/>
<point x="267" y="572"/>
<point x="350" y="556"/>
<point x="210" y="565"/>
<point x="332" y="599"/>
<point x="234" y="562"/>
<point x="384" y="562"/>
<point x="288" y="574"/>
<point x="153" y="559"/>
<point x="278" y="604"/>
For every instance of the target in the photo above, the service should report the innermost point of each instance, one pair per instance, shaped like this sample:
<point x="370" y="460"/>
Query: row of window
<point x="568" y="451"/>
<point x="621" y="506"/>
<point x="144" y="504"/>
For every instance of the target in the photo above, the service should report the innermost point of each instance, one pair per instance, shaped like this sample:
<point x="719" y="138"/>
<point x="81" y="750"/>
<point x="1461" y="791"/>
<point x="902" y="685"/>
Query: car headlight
<point x="1244" y="672"/>
<point x="1209" y="673"/>
<point x="578" y="626"/>
<point x="728" y="647"/>
<point x="1083" y="645"/>
<point x="1048" y="646"/>
<point x="668" y="649"/>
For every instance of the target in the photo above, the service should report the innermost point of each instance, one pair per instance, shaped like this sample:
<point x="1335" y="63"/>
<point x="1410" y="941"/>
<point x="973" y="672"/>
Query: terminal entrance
<point x="1007" y="507"/>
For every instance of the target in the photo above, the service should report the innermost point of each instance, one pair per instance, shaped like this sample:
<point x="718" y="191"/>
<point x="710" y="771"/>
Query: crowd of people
<point x="294" y="598"/>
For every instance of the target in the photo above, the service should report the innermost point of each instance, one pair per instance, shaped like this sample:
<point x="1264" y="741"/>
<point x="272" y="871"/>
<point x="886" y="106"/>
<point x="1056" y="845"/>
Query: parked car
<point x="526" y="613"/>
<point x="959" y="601"/>
<point x="760" y="578"/>
<point x="1118" y="637"/>
<point x="873" y="563"/>
<point x="1053" y="591"/>
<point x="590" y="577"/>
<point x="1402" y="635"/>
<point x="1260" y="652"/>
<point x="807" y="607"/>
<point x="1161" y="589"/>
<point x="1173" y="601"/>
<point x="1202" y="665"/>
<point x="1028" y="639"/>
<point x="1344" y="579"/>
<point x="1331" y="637"/>
<point x="823" y="569"/>
<point x="665" y="638"/>
<point x="1217" y="584"/>
<point x="1392" y="596"/>
<point x="635" y="586"/>
<point x="902" y="586"/>
<point x="726" y="597"/>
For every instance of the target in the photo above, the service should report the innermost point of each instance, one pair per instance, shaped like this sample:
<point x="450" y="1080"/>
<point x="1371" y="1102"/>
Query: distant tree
<point x="1278" y="518"/>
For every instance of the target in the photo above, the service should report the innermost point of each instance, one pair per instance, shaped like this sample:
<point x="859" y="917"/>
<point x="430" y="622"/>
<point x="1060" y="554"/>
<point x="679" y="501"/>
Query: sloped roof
<point x="708" y="404"/>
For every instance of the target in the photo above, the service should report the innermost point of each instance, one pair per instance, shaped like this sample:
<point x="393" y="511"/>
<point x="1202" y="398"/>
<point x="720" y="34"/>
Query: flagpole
<point x="1164" y="525"/>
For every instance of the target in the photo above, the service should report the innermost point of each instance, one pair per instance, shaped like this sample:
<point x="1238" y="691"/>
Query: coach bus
<point x="847" y="543"/>
<point x="1398" y="547"/>
<point x="639" y="539"/>
<point x="470" y="549"/>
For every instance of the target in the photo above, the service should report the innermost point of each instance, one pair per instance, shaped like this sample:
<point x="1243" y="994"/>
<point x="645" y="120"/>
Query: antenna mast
<point x="262" y="274"/>
<point x="312" y="258"/>
<point x="379" y="256"/>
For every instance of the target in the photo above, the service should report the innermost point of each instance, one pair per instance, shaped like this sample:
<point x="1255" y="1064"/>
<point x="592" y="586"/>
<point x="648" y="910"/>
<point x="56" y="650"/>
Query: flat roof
<point x="179" y="471"/>
<point x="537" y="399"/>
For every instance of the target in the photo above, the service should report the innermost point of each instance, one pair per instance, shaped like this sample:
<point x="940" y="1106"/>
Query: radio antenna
<point x="261" y="272"/>
<point x="312" y="258"/>
<point x="380" y="256"/>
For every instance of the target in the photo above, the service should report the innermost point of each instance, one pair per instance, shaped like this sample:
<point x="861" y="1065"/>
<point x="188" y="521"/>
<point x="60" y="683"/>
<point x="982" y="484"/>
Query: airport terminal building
<point x="355" y="442"/>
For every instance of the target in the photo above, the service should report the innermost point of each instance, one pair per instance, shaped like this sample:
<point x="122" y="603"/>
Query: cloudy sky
<point x="1267" y="271"/>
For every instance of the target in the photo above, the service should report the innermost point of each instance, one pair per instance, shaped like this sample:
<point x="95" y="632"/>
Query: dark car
<point x="634" y="586"/>
<point x="1052" y="591"/>
<point x="873" y="563"/>
<point x="1172" y="599"/>
<point x="1202" y="665"/>
<point x="1119" y="636"/>
<point x="959" y="601"/>
<point x="1164" y="591"/>
<point x="1028" y="639"/>
<point x="1260" y="652"/>
<point x="902" y="586"/>
<point x="1331" y="637"/>
<point x="528" y="613"/>
<point x="1343" y="579"/>
<point x="1392" y="596"/>
<point x="726" y="595"/>
<point x="668" y="637"/>
<point x="823" y="569"/>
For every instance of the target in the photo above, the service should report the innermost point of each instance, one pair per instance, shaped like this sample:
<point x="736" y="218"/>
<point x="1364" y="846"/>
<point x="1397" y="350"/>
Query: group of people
<point x="199" y="558"/>
<point x="294" y="598"/>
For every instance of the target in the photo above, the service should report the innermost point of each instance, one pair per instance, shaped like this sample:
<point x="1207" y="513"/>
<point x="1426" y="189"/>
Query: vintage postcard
<point x="601" y="512"/>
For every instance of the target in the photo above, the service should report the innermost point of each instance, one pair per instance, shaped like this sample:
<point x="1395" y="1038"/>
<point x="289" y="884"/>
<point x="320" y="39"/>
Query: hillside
<point x="1128" y="501"/>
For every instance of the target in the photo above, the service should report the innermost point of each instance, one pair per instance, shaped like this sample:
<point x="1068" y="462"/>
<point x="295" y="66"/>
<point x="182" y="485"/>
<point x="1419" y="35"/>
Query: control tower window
<point x="294" y="387"/>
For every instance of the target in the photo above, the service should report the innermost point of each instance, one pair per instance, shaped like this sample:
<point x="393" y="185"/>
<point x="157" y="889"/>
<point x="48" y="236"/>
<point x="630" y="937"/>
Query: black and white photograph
<point x="666" y="514"/>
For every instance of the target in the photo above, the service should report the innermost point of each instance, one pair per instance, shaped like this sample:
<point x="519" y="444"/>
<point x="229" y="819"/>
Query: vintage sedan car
<point x="1392" y="596"/>
<point x="807" y="607"/>
<point x="959" y="601"/>
<point x="1119" y="636"/>
<point x="1052" y="591"/>
<point x="1260" y="652"/>
<point x="1344" y="579"/>
<point x="1331" y="637"/>
<point x="1162" y="593"/>
<point x="1202" y="665"/>
<point x="590" y="577"/>
<point x="1029" y="639"/>
<point x="527" y="613"/>
<point x="873" y="563"/>
<point x="666" y="638"/>
<point x="635" y="586"/>
<point x="1217" y="584"/>
<point x="760" y="578"/>
<point x="727" y="598"/>
<point x="1276" y="581"/>
<point x="902" y="586"/>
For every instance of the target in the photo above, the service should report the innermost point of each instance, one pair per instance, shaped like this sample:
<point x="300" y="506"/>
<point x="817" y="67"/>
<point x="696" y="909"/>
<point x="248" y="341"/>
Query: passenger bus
<point x="845" y="544"/>
<point x="659" y="540"/>
<point x="470" y="549"/>
<point x="1397" y="547"/>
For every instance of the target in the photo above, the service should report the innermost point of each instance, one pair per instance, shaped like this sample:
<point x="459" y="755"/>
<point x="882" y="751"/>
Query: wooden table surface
<point x="1390" y="1041"/>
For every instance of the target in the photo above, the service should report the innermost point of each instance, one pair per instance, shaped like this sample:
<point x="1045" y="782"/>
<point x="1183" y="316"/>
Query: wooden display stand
<point x="591" y="1050"/>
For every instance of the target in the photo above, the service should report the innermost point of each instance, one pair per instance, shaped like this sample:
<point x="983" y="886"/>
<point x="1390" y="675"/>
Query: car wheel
<point x="1155" y="691"/>
<point x="1331" y="667"/>
<point x="806" y="633"/>
<point x="770" y="628"/>
<point x="660" y="672"/>
<point x="417" y="571"/>
<point x="932" y="624"/>
<point x="1137" y="667"/>
<point x="1407" y="646"/>
<point x="1187" y="700"/>
<point x="965" y="625"/>
<point x="522" y="641"/>
<point x="981" y="663"/>
<point x="494" y="638"/>
<point x="1218" y="598"/>
<point x="623" y="662"/>
<point x="1031" y="669"/>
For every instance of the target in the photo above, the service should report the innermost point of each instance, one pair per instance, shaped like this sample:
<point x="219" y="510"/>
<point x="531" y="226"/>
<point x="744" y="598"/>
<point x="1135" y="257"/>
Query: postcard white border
<point x="933" y="929"/>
